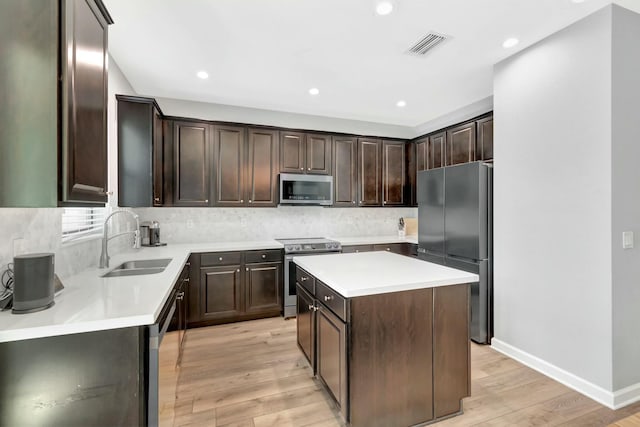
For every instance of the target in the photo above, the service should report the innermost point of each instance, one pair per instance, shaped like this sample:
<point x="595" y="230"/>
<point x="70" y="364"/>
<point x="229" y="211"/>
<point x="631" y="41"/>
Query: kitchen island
<point x="387" y="335"/>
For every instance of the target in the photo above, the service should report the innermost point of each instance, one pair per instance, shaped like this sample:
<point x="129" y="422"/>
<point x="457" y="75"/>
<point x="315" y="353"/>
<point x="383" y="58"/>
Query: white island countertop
<point x="371" y="273"/>
<point x="92" y="303"/>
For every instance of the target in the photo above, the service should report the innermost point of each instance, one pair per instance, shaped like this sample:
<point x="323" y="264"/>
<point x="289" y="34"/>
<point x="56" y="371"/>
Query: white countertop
<point x="370" y="273"/>
<point x="92" y="303"/>
<point x="373" y="240"/>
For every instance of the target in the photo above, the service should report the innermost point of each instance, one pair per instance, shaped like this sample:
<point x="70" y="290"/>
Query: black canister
<point x="33" y="287"/>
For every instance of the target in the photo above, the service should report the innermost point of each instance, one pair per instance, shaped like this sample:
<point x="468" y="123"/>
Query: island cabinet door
<point x="221" y="292"/>
<point x="331" y="353"/>
<point x="306" y="325"/>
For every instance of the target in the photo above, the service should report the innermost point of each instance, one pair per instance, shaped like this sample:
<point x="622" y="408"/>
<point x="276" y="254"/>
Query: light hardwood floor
<point x="251" y="374"/>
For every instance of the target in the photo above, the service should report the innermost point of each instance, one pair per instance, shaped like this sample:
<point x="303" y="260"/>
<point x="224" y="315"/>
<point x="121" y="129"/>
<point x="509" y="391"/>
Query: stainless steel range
<point x="301" y="247"/>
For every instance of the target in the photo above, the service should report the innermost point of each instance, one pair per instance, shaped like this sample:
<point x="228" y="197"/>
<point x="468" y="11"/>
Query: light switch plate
<point x="627" y="240"/>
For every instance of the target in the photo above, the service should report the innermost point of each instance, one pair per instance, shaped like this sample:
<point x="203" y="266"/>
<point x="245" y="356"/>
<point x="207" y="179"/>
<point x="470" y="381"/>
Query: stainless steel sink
<point x="139" y="267"/>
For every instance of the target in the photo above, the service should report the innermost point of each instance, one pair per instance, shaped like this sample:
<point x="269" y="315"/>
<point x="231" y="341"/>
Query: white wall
<point x="552" y="206"/>
<point x="183" y="225"/>
<point x="207" y="111"/>
<point x="626" y="197"/>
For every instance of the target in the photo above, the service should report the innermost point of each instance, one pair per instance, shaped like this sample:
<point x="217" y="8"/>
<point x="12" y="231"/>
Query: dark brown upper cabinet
<point x="345" y="173"/>
<point x="461" y="144"/>
<point x="56" y="108"/>
<point x="305" y="153"/>
<point x="229" y="165"/>
<point x="411" y="175"/>
<point x="262" y="168"/>
<point x="84" y="102"/>
<point x="422" y="145"/>
<point x="485" y="138"/>
<point x="369" y="172"/>
<point x="394" y="165"/>
<point x="140" y="152"/>
<point x="192" y="160"/>
<point x="436" y="150"/>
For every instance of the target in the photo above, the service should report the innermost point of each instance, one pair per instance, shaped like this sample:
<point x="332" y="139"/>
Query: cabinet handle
<point x="311" y="307"/>
<point x="304" y="279"/>
<point x="179" y="296"/>
<point x="187" y="280"/>
<point x="157" y="199"/>
<point x="187" y="263"/>
<point x="328" y="297"/>
<point x="264" y="256"/>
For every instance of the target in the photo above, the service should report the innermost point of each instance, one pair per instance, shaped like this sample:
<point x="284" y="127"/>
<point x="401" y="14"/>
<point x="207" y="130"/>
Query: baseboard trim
<point x="613" y="400"/>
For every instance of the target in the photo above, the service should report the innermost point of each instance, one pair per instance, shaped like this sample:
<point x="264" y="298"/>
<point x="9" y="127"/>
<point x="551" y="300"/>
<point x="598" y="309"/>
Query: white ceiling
<point x="268" y="53"/>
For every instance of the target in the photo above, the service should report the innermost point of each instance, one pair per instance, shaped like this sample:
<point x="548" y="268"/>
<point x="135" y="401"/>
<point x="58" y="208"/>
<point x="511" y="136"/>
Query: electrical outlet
<point x="627" y="240"/>
<point x="19" y="246"/>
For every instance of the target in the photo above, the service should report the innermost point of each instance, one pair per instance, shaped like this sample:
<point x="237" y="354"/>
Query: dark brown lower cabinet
<point x="233" y="286"/>
<point x="396" y="248"/>
<point x="393" y="359"/>
<point x="221" y="292"/>
<point x="262" y="290"/>
<point x="331" y="352"/>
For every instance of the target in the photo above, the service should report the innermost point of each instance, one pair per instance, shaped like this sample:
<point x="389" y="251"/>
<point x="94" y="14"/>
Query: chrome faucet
<point x="104" y="255"/>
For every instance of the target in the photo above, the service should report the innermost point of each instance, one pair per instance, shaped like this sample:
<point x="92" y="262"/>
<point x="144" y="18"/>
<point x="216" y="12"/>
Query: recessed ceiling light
<point x="314" y="91"/>
<point x="401" y="103"/>
<point x="384" y="7"/>
<point x="510" y="42"/>
<point x="203" y="75"/>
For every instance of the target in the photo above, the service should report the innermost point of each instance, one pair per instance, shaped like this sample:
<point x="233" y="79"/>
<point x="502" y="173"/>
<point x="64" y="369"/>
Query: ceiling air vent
<point x="426" y="43"/>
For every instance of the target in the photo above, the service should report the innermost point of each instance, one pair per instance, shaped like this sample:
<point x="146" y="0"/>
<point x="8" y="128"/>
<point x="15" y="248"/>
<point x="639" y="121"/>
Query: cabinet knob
<point x="187" y="280"/>
<point x="180" y="296"/>
<point x="388" y="249"/>
<point x="157" y="199"/>
<point x="303" y="279"/>
<point x="246" y="269"/>
<point x="250" y="201"/>
<point x="384" y="202"/>
<point x="187" y="263"/>
<point x="238" y="271"/>
<point x="264" y="256"/>
<point x="328" y="297"/>
<point x="308" y="169"/>
<point x="360" y="201"/>
<point x="241" y="200"/>
<point x="357" y="250"/>
<point x="353" y="201"/>
<point x="220" y="259"/>
<point x="311" y="307"/>
<point x="206" y="201"/>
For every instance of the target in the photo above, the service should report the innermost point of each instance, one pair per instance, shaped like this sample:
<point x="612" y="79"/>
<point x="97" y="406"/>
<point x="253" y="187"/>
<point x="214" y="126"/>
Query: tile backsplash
<point x="34" y="230"/>
<point x="184" y="225"/>
<point x="31" y="230"/>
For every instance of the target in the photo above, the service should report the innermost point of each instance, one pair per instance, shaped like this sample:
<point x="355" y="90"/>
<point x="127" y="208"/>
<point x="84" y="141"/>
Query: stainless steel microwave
<point x="299" y="189"/>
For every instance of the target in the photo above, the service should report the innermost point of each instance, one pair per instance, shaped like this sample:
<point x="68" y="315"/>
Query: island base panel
<point x="391" y="359"/>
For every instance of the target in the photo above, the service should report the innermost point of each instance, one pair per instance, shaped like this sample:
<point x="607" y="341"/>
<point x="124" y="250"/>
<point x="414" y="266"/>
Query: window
<point x="81" y="223"/>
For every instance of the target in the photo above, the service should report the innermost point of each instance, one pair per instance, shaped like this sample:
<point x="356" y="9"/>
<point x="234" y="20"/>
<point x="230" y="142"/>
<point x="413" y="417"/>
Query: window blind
<point x="79" y="223"/>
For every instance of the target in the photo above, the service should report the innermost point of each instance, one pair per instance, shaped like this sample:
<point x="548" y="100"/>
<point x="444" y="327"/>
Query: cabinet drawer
<point x="396" y="248"/>
<point x="306" y="280"/>
<point x="332" y="300"/>
<point x="356" y="248"/>
<point x="220" y="258"/>
<point x="263" y="256"/>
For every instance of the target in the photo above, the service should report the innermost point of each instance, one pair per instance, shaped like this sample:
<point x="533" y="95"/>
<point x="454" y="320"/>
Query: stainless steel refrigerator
<point x="455" y="229"/>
